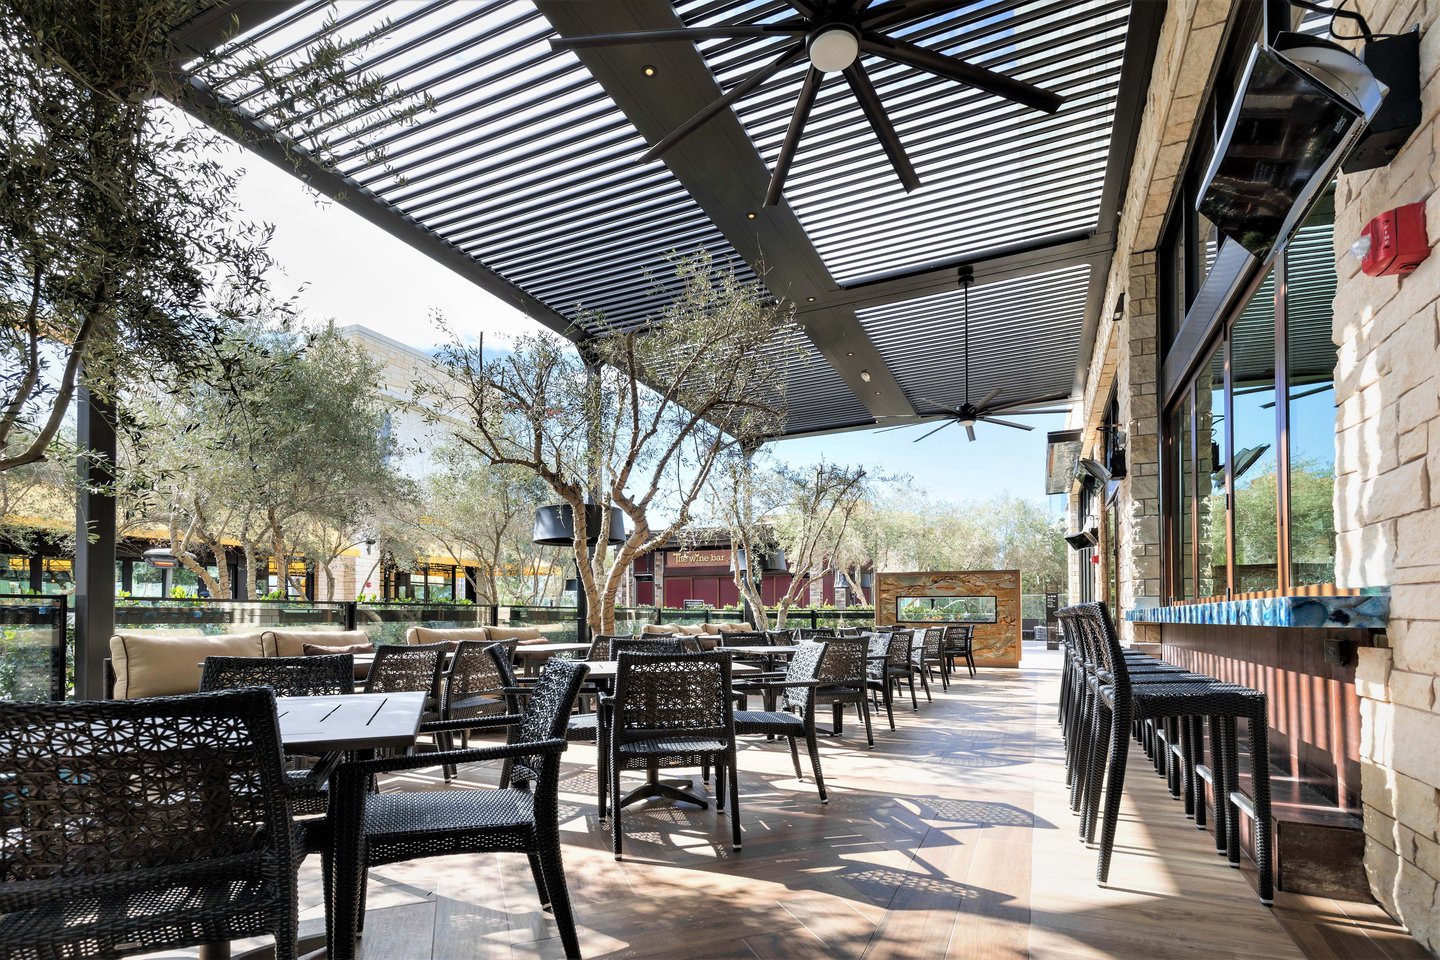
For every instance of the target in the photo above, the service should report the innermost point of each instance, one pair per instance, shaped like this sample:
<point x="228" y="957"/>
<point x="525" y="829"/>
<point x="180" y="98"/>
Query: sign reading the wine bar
<point x="698" y="558"/>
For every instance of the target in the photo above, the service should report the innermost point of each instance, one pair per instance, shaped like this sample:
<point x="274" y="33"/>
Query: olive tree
<point x="123" y="254"/>
<point x="482" y="516"/>
<point x="635" y="417"/>
<point x="281" y="448"/>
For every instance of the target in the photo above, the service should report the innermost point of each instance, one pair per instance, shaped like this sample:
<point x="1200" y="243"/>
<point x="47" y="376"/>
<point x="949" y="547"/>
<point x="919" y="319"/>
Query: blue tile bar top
<point x="1366" y="611"/>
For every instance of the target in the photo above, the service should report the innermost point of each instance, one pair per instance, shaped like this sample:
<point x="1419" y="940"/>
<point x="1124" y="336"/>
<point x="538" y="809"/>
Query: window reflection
<point x="1184" y="486"/>
<point x="1310" y="389"/>
<point x="1210" y="474"/>
<point x="1254" y="466"/>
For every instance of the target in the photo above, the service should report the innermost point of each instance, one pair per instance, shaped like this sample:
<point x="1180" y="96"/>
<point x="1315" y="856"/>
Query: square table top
<point x="535" y="649"/>
<point x="357" y="721"/>
<point x="605" y="670"/>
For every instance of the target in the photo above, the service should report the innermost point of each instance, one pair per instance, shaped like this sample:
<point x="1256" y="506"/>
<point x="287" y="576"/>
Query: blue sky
<point x="342" y="267"/>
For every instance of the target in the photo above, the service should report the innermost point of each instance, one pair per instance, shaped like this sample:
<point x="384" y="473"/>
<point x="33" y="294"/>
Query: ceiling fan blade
<point x="970" y="432"/>
<point x="691" y="34"/>
<point x="875" y="113"/>
<point x="936" y="430"/>
<point x="900" y="11"/>
<point x="808" y="91"/>
<point x="1006" y="423"/>
<point x="943" y="406"/>
<point x="955" y="69"/>
<point x="902" y="426"/>
<point x="788" y="56"/>
<point x="1027" y="413"/>
<point x="988" y="397"/>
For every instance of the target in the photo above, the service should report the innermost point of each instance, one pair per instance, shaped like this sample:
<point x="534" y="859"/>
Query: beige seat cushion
<point x="656" y="630"/>
<point x="711" y="629"/>
<point x="686" y="630"/>
<point x="159" y="665"/>
<point x="291" y="643"/>
<point x="526" y="635"/>
<point x="743" y="627"/>
<point x="453" y="636"/>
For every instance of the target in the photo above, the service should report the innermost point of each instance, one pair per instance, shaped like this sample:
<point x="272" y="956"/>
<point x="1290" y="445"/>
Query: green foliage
<point x="122" y="249"/>
<point x="639" y="421"/>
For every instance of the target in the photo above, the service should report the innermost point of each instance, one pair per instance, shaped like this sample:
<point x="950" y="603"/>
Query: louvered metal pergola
<point x="528" y="178"/>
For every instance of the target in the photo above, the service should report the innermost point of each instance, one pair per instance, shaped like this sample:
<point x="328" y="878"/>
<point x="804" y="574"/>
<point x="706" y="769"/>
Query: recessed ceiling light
<point x="809" y="299"/>
<point x="877" y="393"/>
<point x="865" y="375"/>
<point x="649" y="70"/>
<point x="851" y="354"/>
<point x="750" y="215"/>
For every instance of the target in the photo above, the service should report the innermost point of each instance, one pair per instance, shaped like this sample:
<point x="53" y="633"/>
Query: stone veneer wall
<point x="996" y="644"/>
<point x="1387" y="500"/>
<point x="1125" y="358"/>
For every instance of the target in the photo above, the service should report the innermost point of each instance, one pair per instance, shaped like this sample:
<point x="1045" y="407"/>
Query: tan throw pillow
<point x="689" y="631"/>
<point x="713" y="629"/>
<point x="736" y="628"/>
<point x="656" y="630"/>
<point x="453" y="636"/>
<point x="324" y="650"/>
<point x="526" y="635"/>
<point x="161" y="665"/>
<point x="362" y="670"/>
<point x="291" y="643"/>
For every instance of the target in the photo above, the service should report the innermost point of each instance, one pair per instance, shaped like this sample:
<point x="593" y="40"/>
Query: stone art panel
<point x="996" y="644"/>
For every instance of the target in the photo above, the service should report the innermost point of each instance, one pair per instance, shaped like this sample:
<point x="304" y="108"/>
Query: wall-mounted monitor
<point x="1302" y="105"/>
<point x="942" y="609"/>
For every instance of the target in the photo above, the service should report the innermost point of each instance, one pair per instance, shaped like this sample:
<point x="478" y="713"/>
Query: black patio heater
<point x="555" y="527"/>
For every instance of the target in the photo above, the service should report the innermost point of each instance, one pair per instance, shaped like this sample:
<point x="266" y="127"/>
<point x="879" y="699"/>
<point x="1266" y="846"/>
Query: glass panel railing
<point x="36" y="661"/>
<point x="389" y="622"/>
<point x="556" y="624"/>
<point x="207" y="617"/>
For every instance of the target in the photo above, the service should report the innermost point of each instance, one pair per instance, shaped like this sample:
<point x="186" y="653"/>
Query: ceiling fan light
<point x="833" y="48"/>
<point x="967" y="421"/>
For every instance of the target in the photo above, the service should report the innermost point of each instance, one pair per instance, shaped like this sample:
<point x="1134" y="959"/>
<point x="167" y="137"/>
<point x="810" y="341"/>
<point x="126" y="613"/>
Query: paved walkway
<point x="952" y="839"/>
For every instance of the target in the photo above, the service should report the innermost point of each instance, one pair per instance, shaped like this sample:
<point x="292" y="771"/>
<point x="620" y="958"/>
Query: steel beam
<point x="721" y="169"/>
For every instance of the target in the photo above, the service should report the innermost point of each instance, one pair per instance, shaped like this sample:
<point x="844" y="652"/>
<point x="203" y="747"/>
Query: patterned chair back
<point x="287" y="676"/>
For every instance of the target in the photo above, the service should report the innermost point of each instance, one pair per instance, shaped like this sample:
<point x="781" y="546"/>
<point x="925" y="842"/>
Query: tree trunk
<point x="855" y="589"/>
<point x="249" y="552"/>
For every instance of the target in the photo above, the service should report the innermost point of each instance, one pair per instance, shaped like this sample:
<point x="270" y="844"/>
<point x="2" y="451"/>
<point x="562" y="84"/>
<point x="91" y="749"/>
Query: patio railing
<point x="37" y="645"/>
<point x="35" y="653"/>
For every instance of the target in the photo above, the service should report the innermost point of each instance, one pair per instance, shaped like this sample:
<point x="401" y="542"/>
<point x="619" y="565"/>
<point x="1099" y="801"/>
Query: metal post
<point x="94" y="542"/>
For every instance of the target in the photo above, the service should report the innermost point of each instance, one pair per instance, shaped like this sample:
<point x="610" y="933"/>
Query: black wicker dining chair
<point x="368" y="829"/>
<point x="328" y="675"/>
<point x="135" y="826"/>
<point x="473" y="687"/>
<point x="885" y="676"/>
<point x="671" y="711"/>
<point x="793" y="715"/>
<point x="663" y="645"/>
<point x="843" y="676"/>
<point x="400" y="668"/>
<point x="926" y="656"/>
<point x="960" y="642"/>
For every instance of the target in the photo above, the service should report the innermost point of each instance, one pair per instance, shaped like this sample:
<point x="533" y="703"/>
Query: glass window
<point x="1183" y="479"/>
<point x="1253" y="466"/>
<point x="1310" y="356"/>
<point x="15" y="568"/>
<point x="1210" y="474"/>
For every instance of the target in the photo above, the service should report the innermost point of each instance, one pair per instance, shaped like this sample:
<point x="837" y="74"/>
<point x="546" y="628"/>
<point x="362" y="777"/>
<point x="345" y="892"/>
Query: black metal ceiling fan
<point x="831" y="34"/>
<point x="968" y="414"/>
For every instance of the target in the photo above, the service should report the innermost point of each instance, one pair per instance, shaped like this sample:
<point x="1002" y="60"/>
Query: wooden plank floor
<point x="952" y="839"/>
